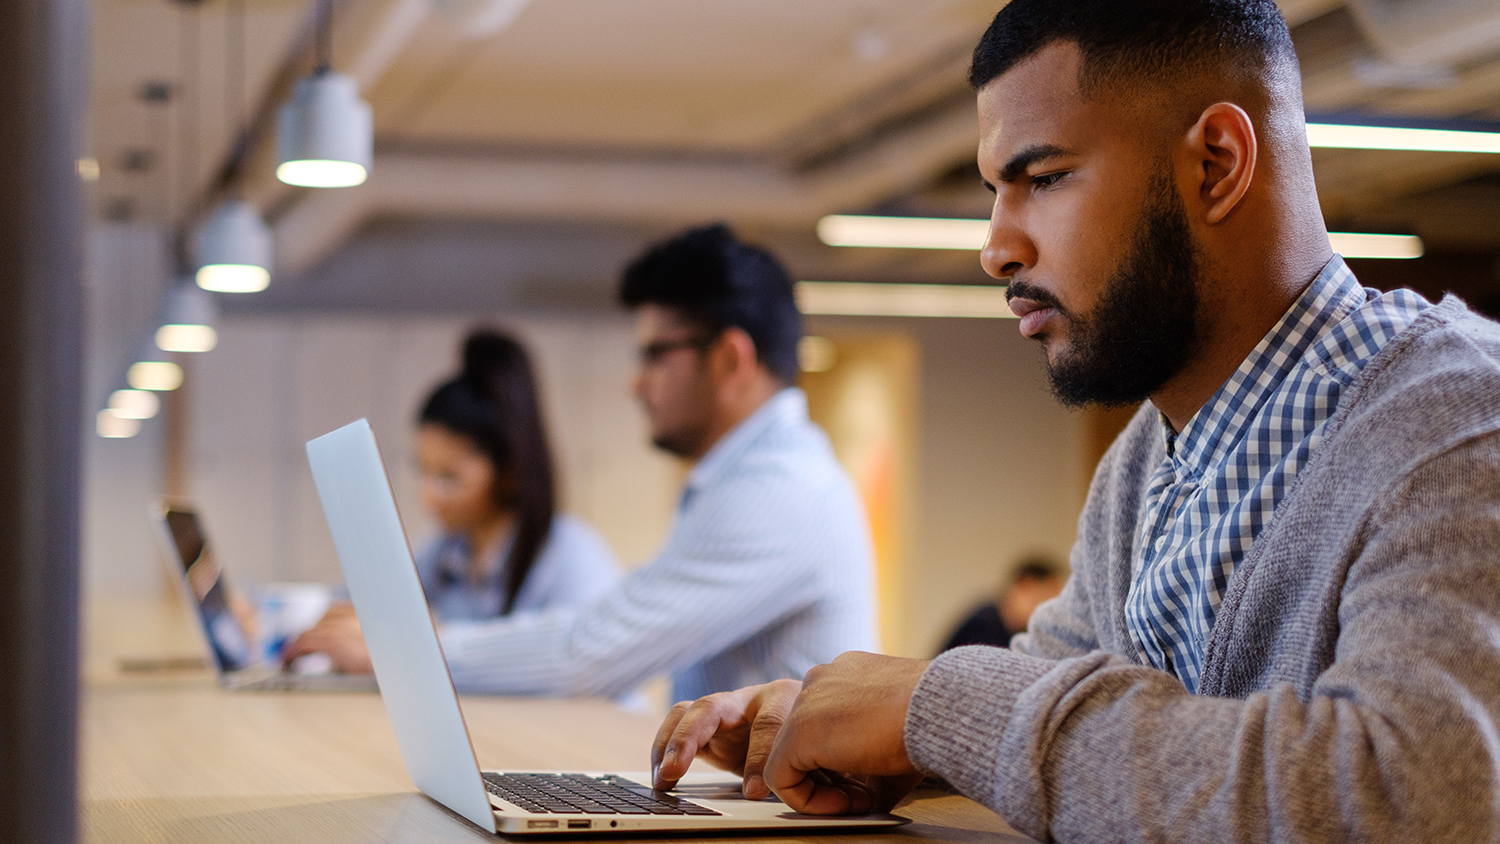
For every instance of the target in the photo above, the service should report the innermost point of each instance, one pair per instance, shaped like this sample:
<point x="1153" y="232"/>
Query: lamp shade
<point x="115" y="427"/>
<point x="189" y="305"/>
<point x="233" y="249"/>
<point x="188" y="326"/>
<point x="325" y="133"/>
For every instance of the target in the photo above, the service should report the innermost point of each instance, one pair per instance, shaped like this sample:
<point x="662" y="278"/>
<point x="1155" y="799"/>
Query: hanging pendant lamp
<point x="326" y="133"/>
<point x="153" y="369"/>
<point x="233" y="249"/>
<point x="189" y="322"/>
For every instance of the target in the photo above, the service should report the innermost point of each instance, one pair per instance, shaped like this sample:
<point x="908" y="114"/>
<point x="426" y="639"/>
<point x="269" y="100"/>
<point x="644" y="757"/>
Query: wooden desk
<point x="180" y="760"/>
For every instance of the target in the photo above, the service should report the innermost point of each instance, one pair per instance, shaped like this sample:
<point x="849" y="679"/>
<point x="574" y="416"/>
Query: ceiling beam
<point x="624" y="188"/>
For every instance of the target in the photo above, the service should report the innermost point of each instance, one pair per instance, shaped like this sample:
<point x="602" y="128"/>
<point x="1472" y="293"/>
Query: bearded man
<point x="1283" y="622"/>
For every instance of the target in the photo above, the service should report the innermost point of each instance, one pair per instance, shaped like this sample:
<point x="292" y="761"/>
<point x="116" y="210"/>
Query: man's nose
<point x="1007" y="249"/>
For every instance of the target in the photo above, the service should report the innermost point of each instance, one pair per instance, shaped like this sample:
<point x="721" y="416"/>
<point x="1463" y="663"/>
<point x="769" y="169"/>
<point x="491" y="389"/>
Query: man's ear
<point x="1224" y="143"/>
<point x="735" y="352"/>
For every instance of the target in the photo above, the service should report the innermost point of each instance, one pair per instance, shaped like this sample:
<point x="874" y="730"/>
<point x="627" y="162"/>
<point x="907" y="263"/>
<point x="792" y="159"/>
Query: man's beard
<point x="1143" y="328"/>
<point x="678" y="443"/>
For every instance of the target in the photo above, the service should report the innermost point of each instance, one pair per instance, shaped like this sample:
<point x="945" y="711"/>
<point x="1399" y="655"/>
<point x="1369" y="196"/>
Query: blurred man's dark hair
<point x="712" y="279"/>
<point x="1036" y="568"/>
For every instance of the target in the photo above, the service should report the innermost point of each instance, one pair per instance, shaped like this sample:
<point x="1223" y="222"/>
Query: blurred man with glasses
<point x="768" y="568"/>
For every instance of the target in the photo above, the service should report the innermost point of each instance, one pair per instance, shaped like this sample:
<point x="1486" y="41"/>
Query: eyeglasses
<point x="652" y="353"/>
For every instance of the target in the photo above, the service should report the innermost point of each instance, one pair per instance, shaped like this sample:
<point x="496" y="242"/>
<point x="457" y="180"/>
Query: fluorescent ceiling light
<point x="186" y="338"/>
<point x="1355" y="245"/>
<point x="903" y="232"/>
<point x="134" y="404"/>
<point x="947" y="233"/>
<point x="1341" y="136"/>
<point x="115" y="427"/>
<point x="162" y="375"/>
<point x="840" y="298"/>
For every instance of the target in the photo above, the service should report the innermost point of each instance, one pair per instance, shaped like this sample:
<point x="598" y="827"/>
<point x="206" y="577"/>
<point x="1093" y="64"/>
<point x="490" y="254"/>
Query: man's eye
<point x="1047" y="180"/>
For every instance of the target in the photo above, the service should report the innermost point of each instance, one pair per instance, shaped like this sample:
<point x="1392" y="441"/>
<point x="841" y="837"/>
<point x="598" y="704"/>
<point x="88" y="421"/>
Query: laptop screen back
<point x="395" y="621"/>
<point x="208" y="589"/>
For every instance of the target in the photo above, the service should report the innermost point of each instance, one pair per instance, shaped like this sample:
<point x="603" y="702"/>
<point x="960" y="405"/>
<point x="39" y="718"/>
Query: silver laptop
<point x="423" y="706"/>
<point x="204" y="589"/>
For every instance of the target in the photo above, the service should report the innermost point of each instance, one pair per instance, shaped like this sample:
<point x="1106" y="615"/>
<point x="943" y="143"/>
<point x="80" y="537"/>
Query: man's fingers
<point x="825" y="793"/>
<point x="665" y="731"/>
<point x="699" y="722"/>
<point x="763" y="731"/>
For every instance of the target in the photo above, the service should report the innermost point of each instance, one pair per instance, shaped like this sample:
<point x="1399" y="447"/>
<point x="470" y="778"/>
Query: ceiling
<point x="525" y="165"/>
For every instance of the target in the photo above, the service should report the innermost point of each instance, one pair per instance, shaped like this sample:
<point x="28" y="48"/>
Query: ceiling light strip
<point x="948" y="233"/>
<point x="843" y="298"/>
<point x="1345" y="136"/>
<point x="903" y="232"/>
<point x="1357" y="245"/>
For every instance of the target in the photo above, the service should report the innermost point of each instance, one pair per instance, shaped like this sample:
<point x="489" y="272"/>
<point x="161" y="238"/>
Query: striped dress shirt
<point x="767" y="572"/>
<point x="1235" y="460"/>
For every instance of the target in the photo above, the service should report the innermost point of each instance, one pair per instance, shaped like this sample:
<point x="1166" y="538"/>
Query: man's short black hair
<point x="1140" y="39"/>
<point x="712" y="279"/>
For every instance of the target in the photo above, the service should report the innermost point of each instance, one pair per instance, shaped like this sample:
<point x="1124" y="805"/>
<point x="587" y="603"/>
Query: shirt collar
<point x="784" y="409"/>
<point x="1218" y="425"/>
<point x="453" y="560"/>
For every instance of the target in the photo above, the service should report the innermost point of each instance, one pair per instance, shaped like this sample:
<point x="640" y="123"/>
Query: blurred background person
<point x="487" y="477"/>
<point x="768" y="568"/>
<point x="1036" y="580"/>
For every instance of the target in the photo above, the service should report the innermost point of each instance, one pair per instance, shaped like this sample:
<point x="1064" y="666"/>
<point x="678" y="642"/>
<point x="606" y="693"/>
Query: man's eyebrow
<point x="1029" y="156"/>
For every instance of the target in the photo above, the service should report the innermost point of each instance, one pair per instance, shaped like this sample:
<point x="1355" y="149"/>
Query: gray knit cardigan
<point x="1351" y="683"/>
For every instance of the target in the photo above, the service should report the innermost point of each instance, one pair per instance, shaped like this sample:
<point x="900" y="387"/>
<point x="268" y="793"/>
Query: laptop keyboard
<point x="576" y="794"/>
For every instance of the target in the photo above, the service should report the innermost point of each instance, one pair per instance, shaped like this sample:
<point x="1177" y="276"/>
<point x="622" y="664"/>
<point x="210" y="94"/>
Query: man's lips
<point x="1032" y="313"/>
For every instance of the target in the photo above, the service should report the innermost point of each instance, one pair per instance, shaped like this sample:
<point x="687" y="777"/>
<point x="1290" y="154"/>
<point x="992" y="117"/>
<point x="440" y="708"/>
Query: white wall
<point x="276" y="381"/>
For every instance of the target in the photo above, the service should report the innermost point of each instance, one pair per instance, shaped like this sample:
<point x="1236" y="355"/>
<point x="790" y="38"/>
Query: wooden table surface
<point x="177" y="759"/>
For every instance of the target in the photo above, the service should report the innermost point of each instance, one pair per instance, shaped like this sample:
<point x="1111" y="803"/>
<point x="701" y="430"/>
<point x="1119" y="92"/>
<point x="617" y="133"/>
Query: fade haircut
<point x="1160" y="45"/>
<point x="713" y="280"/>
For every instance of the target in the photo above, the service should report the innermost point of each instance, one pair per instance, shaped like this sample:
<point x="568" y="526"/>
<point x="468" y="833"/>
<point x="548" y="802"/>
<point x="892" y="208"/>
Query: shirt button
<point x="1160" y="541"/>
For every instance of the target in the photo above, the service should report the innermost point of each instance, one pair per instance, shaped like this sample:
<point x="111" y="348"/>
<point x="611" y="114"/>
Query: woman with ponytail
<point x="487" y="476"/>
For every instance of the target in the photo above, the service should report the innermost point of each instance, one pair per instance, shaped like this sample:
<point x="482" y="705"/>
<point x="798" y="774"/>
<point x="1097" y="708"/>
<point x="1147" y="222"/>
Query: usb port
<point x="541" y="824"/>
<point x="579" y="824"/>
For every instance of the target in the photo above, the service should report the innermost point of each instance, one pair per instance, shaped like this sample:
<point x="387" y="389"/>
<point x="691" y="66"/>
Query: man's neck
<point x="1234" y="322"/>
<point x="736" y="409"/>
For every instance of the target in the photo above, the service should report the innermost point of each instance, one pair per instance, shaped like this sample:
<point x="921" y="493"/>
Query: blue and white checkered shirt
<point x="1234" y="461"/>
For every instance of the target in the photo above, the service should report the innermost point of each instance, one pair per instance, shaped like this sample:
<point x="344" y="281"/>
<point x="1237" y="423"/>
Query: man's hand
<point x="731" y="730"/>
<point x="834" y="745"/>
<point x="337" y="635"/>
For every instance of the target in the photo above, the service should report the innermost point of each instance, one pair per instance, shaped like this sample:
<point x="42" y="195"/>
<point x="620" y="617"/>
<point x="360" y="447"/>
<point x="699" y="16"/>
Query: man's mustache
<point x="1018" y="289"/>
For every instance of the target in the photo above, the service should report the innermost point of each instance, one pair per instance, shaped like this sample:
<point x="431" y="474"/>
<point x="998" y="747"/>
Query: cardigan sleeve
<point x="1398" y="739"/>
